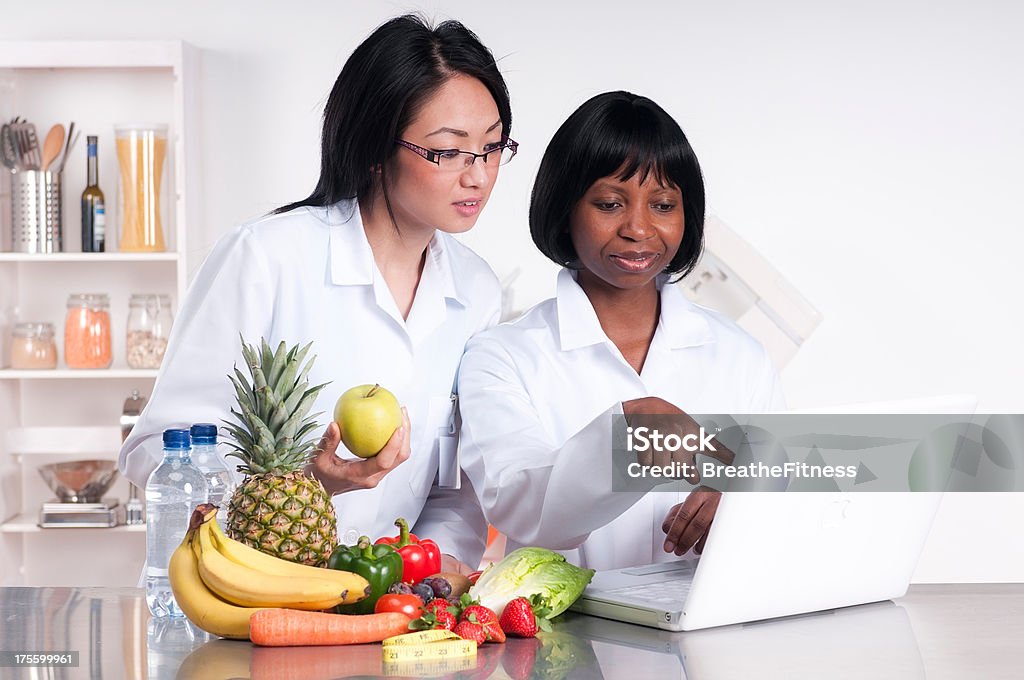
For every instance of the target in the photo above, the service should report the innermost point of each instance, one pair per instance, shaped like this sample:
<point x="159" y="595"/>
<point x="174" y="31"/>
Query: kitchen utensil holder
<point x="36" y="215"/>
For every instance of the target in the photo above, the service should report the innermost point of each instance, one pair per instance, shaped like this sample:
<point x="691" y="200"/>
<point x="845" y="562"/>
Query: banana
<point x="201" y="606"/>
<point x="247" y="586"/>
<point x="239" y="552"/>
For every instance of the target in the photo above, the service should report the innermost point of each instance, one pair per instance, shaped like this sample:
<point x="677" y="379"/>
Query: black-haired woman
<point x="414" y="131"/>
<point x="618" y="202"/>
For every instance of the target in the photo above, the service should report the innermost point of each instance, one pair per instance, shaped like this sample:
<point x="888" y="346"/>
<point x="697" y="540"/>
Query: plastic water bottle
<point x="219" y="482"/>
<point x="173" y="491"/>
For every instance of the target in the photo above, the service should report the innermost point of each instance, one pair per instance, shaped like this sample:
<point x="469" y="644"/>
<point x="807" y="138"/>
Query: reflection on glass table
<point x="939" y="631"/>
<point x="867" y="641"/>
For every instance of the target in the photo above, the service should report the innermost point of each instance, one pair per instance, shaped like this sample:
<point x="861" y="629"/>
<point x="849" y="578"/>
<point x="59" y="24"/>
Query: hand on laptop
<point x="657" y="414"/>
<point x="686" y="525"/>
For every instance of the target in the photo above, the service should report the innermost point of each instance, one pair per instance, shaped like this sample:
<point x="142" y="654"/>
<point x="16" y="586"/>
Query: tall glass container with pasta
<point x="141" y="154"/>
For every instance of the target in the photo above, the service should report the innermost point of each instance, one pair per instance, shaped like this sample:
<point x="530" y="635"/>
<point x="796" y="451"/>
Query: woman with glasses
<point x="619" y="203"/>
<point x="365" y="267"/>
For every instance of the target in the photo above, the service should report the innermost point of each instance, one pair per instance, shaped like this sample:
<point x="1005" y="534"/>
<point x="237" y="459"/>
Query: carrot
<point x="294" y="628"/>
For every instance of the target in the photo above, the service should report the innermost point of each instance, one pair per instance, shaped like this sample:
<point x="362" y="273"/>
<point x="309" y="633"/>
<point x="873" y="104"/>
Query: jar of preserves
<point x="149" y="326"/>
<point x="33" y="346"/>
<point x="87" y="331"/>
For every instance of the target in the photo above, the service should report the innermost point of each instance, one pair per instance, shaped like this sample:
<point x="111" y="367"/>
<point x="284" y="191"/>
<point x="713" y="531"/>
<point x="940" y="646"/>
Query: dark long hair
<point x="611" y="131"/>
<point x="379" y="91"/>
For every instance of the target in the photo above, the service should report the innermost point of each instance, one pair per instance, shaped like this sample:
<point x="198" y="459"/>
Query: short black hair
<point x="380" y="89"/>
<point x="611" y="131"/>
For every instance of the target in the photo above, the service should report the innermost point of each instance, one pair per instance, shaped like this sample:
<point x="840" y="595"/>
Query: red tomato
<point x="410" y="605"/>
<point x="474" y="576"/>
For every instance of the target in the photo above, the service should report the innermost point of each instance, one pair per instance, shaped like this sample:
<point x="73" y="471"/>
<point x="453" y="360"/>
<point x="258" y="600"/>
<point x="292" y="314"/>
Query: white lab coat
<point x="309" y="275"/>
<point x="537" y="397"/>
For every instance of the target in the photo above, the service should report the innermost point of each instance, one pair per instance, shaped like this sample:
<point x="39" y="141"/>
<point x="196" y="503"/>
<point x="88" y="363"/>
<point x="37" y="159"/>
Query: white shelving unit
<point x="78" y="374"/>
<point x="89" y="257"/>
<point x="27" y="524"/>
<point x="66" y="414"/>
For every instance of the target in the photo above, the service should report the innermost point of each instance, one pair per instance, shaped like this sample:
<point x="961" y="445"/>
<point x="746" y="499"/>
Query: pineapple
<point x="278" y="508"/>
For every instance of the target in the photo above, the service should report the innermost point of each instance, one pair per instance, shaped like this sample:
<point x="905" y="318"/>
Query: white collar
<point x="352" y="261"/>
<point x="681" y="322"/>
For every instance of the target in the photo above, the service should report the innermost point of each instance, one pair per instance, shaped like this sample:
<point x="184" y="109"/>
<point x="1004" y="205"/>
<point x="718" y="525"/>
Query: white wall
<point x="872" y="151"/>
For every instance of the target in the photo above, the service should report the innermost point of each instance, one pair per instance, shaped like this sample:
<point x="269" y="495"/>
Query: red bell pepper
<point x="420" y="558"/>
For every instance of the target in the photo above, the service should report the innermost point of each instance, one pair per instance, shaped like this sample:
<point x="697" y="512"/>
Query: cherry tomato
<point x="474" y="576"/>
<point x="410" y="605"/>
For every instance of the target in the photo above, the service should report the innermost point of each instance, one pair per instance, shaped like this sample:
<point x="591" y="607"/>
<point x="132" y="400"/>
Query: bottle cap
<point x="177" y="439"/>
<point x="203" y="433"/>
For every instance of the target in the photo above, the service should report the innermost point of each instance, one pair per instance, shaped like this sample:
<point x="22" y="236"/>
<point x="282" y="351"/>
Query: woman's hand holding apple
<point x="367" y="416"/>
<point x="339" y="475"/>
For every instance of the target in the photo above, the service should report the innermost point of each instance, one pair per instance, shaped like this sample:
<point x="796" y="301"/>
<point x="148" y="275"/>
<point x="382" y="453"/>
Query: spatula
<point x="52" y="145"/>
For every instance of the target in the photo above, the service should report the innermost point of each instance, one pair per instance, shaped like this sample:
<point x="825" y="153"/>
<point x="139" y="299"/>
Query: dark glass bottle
<point x="94" y="214"/>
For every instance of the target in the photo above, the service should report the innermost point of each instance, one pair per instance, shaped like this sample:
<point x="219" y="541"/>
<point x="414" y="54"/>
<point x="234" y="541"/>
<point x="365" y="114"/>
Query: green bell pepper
<point x="381" y="565"/>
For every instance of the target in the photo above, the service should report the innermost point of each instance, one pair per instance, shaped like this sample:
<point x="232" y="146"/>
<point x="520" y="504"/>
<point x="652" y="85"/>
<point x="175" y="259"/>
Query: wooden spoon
<point x="52" y="146"/>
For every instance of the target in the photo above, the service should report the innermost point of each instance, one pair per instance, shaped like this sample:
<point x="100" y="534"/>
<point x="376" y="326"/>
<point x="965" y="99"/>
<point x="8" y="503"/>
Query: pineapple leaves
<point x="286" y="382"/>
<point x="277" y="367"/>
<point x="272" y="412"/>
<point x="267" y="358"/>
<point x="297" y="419"/>
<point x="240" y="435"/>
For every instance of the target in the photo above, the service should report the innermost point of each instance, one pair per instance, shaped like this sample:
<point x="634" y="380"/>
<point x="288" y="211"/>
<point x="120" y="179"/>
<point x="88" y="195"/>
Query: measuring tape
<point x="428" y="645"/>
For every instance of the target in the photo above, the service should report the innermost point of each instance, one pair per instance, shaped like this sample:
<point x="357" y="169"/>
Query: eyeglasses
<point x="457" y="160"/>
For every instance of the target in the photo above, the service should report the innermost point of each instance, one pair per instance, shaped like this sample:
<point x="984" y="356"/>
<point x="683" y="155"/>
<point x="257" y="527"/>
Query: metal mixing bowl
<point x="80" y="481"/>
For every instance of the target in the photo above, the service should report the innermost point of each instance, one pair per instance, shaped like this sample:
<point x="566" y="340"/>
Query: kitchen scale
<point x="55" y="514"/>
<point x="80" y="503"/>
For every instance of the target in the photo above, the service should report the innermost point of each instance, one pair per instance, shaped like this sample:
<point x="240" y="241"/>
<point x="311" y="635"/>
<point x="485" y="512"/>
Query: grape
<point x="425" y="592"/>
<point x="401" y="588"/>
<point x="439" y="585"/>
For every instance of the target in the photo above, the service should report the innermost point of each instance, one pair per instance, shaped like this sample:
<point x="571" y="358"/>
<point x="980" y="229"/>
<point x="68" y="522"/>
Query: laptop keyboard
<point x="661" y="593"/>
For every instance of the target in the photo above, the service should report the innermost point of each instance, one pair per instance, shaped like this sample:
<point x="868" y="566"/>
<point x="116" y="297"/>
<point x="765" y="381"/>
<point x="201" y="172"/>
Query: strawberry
<point x="467" y="630"/>
<point x="438" y="604"/>
<point x="445" y="619"/>
<point x="485" y="617"/>
<point x="438" y="613"/>
<point x="462" y="603"/>
<point x="494" y="632"/>
<point x="518" y="618"/>
<point x="430" y="620"/>
<point x="483" y="614"/>
<point x="523" y="617"/>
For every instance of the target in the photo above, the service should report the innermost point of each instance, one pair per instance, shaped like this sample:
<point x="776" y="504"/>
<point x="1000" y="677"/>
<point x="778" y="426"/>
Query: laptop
<point x="780" y="554"/>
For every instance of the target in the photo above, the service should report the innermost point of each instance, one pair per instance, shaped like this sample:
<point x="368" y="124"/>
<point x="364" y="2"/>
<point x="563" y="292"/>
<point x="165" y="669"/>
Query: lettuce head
<point x="530" y="571"/>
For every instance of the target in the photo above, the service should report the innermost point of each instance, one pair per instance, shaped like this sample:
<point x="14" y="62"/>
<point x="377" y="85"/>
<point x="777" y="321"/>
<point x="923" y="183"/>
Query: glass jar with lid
<point x="141" y="150"/>
<point x="87" y="342"/>
<point x="149" y="327"/>
<point x="33" y="346"/>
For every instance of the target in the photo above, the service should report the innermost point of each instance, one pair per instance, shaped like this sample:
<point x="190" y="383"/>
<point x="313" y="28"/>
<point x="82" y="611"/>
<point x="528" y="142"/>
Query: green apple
<point x="367" y="415"/>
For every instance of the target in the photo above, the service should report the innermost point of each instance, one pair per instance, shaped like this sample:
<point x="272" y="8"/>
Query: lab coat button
<point x="350" y="536"/>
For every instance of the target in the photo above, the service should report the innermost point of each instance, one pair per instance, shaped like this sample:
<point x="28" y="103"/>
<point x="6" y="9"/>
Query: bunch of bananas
<point x="219" y="582"/>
